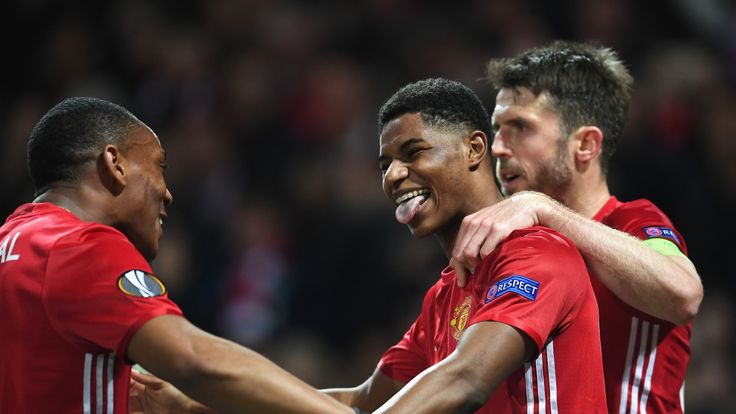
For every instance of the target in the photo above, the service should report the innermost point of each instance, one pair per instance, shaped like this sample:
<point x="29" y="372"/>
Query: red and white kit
<point x="537" y="282"/>
<point x="73" y="294"/>
<point x="644" y="358"/>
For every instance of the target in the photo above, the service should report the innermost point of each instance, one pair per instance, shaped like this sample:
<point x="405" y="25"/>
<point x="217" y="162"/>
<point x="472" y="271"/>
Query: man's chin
<point x="420" y="232"/>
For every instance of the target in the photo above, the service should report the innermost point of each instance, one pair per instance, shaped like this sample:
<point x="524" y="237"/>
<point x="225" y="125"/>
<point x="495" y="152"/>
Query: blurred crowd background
<point x="279" y="236"/>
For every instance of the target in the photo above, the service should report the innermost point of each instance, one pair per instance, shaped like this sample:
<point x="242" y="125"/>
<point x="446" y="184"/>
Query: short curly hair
<point x="442" y="103"/>
<point x="72" y="133"/>
<point x="587" y="85"/>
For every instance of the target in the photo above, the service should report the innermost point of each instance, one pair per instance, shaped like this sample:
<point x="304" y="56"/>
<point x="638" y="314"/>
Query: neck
<point x="78" y="200"/>
<point x="480" y="198"/>
<point x="586" y="195"/>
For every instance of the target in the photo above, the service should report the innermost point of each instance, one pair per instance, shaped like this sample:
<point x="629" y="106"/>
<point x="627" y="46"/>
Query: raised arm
<point x="487" y="353"/>
<point x="221" y="374"/>
<point x="369" y="395"/>
<point x="661" y="283"/>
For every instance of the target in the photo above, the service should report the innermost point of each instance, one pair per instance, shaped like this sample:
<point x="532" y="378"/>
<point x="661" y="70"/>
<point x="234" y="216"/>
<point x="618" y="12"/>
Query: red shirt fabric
<point x="644" y="358"/>
<point x="535" y="281"/>
<point x="66" y="321"/>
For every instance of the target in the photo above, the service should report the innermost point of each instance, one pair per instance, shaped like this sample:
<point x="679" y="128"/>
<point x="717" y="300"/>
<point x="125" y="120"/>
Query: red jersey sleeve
<point x="644" y="220"/>
<point x="534" y="282"/>
<point x="99" y="290"/>
<point x="408" y="358"/>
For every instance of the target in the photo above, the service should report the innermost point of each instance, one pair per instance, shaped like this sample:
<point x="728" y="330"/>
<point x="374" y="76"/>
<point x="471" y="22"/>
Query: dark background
<point x="280" y="236"/>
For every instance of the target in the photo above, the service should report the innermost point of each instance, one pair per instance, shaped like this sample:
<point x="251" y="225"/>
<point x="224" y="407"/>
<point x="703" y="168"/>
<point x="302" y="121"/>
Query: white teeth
<point x="161" y="221"/>
<point x="411" y="195"/>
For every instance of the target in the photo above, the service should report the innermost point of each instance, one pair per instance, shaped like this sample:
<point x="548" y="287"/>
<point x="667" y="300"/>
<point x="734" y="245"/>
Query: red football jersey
<point x="72" y="294"/>
<point x="535" y="281"/>
<point x="644" y="358"/>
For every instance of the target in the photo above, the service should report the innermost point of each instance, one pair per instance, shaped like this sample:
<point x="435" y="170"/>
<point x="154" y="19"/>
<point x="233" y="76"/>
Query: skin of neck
<point x="481" y="192"/>
<point x="88" y="199"/>
<point x="588" y="191"/>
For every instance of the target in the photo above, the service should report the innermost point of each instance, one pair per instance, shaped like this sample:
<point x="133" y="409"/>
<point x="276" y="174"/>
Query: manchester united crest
<point x="460" y="317"/>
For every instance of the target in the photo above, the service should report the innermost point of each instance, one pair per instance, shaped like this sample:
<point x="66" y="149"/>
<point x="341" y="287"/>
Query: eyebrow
<point x="407" y="143"/>
<point x="514" y="120"/>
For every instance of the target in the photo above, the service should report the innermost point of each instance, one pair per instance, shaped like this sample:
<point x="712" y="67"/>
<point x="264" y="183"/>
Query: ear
<point x="476" y="148"/>
<point x="587" y="143"/>
<point x="112" y="169"/>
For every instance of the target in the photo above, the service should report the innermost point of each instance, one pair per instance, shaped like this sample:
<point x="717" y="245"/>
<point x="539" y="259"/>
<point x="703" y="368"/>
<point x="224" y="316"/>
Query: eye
<point x="521" y="126"/>
<point x="412" y="152"/>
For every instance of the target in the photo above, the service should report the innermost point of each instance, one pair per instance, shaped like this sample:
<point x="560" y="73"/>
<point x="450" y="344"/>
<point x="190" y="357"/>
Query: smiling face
<point x="424" y="174"/>
<point x="145" y="195"/>
<point x="530" y="151"/>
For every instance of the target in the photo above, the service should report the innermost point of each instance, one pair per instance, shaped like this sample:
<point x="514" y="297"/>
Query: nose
<point x="499" y="149"/>
<point x="394" y="175"/>
<point x="168" y="198"/>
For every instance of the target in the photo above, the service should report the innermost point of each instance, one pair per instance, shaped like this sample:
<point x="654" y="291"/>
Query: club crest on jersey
<point x="140" y="284"/>
<point x="663" y="232"/>
<point x="460" y="317"/>
<point x="522" y="286"/>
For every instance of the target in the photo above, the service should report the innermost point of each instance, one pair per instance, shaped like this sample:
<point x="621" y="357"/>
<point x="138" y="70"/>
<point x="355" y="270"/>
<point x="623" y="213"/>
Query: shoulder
<point x="93" y="234"/>
<point x="96" y="247"/>
<point x="638" y="211"/>
<point x="536" y="238"/>
<point x="536" y="250"/>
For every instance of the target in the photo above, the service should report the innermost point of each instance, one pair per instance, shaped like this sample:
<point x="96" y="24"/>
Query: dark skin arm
<point x="487" y="353"/>
<point x="369" y="395"/>
<point x="221" y="374"/>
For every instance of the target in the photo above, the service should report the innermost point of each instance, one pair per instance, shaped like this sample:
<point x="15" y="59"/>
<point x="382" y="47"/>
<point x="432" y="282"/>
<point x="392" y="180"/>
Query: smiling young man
<point x="522" y="337"/>
<point x="78" y="299"/>
<point x="559" y="111"/>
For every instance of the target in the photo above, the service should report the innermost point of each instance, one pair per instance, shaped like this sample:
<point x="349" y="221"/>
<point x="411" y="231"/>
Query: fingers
<point x="146" y="379"/>
<point x="465" y="252"/>
<point x="475" y="230"/>
<point x="461" y="274"/>
<point x="492" y="240"/>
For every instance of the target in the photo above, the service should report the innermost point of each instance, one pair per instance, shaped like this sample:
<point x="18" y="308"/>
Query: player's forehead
<point x="401" y="129"/>
<point x="513" y="102"/>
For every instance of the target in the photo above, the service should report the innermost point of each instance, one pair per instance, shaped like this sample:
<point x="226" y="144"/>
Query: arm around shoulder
<point x="665" y="286"/>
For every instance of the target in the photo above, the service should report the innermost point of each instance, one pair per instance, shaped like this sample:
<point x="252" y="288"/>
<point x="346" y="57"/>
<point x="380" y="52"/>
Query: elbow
<point x="191" y="368"/>
<point x="689" y="304"/>
<point x="474" y="397"/>
<point x="474" y="400"/>
<point x="184" y="370"/>
<point x="471" y="390"/>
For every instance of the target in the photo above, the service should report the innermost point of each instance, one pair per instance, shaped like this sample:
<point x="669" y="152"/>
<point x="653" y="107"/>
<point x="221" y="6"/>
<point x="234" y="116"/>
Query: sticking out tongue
<point x="406" y="210"/>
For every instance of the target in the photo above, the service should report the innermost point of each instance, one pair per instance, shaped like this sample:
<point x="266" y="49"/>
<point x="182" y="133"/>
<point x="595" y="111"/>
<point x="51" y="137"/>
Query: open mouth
<point x="411" y="194"/>
<point x="409" y="204"/>
<point x="509" y="178"/>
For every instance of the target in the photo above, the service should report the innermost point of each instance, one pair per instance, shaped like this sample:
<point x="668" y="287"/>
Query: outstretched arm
<point x="665" y="286"/>
<point x="369" y="395"/>
<point x="487" y="353"/>
<point x="221" y="374"/>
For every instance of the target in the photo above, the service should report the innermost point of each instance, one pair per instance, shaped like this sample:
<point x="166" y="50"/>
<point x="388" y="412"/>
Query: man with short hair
<point x="522" y="336"/>
<point x="78" y="299"/>
<point x="559" y="112"/>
